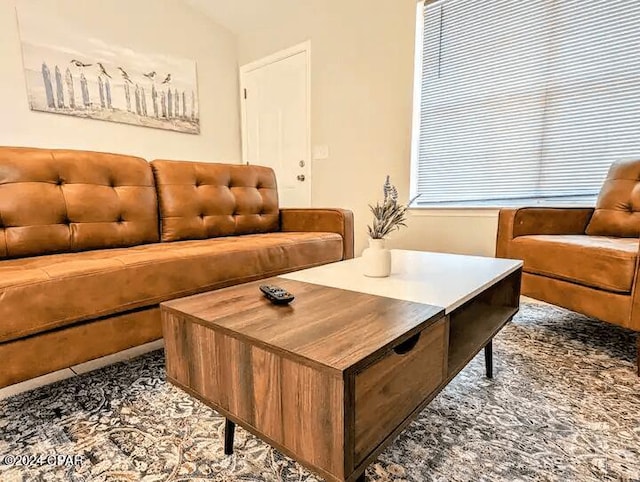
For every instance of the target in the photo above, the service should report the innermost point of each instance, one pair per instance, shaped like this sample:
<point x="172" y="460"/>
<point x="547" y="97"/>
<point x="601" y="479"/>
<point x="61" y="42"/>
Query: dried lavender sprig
<point x="389" y="215"/>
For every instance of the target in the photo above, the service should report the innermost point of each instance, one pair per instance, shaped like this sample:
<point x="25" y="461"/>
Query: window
<point x="524" y="100"/>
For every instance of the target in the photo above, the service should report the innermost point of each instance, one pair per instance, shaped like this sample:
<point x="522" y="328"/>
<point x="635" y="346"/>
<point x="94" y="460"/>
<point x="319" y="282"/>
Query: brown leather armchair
<point x="583" y="259"/>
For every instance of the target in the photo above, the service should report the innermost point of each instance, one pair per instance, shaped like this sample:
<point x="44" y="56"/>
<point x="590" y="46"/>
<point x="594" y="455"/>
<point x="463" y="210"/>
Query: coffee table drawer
<point x="388" y="391"/>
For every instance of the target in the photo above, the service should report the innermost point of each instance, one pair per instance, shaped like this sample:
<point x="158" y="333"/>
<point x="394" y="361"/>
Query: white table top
<point x="440" y="279"/>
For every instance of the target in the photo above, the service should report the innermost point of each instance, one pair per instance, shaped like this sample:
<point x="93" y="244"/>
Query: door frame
<point x="303" y="47"/>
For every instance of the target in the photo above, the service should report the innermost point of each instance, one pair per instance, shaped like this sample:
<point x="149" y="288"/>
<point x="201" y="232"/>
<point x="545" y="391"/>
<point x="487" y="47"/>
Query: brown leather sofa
<point x="583" y="259"/>
<point x="91" y="243"/>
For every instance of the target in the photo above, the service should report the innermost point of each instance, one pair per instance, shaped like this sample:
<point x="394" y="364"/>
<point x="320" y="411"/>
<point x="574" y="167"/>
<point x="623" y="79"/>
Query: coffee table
<point x="333" y="378"/>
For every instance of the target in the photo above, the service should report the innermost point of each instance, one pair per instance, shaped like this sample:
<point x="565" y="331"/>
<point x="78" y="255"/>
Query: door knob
<point x="300" y="177"/>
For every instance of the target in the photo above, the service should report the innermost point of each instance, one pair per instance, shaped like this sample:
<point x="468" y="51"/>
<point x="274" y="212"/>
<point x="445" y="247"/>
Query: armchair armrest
<point x="338" y="221"/>
<point x="524" y="221"/>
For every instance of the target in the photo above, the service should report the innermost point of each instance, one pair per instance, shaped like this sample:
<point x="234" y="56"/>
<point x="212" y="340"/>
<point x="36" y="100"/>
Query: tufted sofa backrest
<point x="617" y="210"/>
<point x="55" y="201"/>
<point x="203" y="200"/>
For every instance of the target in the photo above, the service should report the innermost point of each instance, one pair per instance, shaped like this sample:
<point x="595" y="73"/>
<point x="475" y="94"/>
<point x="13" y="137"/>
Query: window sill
<point x="496" y="205"/>
<point x="492" y="208"/>
<point x="455" y="211"/>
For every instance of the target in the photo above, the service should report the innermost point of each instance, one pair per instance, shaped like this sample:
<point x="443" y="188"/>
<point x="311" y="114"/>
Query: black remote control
<point x="277" y="295"/>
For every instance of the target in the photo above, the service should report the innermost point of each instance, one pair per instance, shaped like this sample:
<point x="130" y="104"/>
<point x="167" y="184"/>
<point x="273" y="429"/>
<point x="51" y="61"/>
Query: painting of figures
<point x="106" y="82"/>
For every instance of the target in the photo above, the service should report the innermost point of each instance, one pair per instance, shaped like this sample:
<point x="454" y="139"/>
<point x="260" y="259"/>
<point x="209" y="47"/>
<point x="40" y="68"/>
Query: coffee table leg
<point x="229" y="429"/>
<point x="488" y="359"/>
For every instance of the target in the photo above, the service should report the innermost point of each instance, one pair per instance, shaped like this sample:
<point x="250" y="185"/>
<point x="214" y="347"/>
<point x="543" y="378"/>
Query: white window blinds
<point x="523" y="99"/>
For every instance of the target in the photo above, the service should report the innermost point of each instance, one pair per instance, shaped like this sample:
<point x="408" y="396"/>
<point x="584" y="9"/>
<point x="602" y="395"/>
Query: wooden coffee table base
<point x="229" y="426"/>
<point x="327" y="386"/>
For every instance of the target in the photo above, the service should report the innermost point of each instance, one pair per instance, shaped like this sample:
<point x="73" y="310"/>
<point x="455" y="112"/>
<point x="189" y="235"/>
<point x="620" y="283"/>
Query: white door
<point x="275" y="128"/>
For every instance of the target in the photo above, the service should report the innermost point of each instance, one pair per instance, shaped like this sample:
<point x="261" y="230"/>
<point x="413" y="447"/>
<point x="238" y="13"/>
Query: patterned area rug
<point x="564" y="405"/>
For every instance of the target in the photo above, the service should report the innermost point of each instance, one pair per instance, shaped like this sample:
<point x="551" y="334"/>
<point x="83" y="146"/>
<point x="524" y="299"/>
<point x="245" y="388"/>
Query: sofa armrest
<point x="524" y="221"/>
<point x="338" y="221"/>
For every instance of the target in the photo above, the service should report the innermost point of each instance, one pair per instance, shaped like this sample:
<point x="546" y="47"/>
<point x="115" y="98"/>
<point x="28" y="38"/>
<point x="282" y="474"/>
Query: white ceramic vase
<point x="376" y="259"/>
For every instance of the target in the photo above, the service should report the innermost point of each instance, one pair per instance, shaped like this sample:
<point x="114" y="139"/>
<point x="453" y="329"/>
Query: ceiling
<point x="241" y="16"/>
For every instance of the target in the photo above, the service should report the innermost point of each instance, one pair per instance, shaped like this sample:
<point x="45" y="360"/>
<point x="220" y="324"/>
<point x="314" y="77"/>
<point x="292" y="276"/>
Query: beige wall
<point x="361" y="86"/>
<point x="154" y="26"/>
<point x="362" y="79"/>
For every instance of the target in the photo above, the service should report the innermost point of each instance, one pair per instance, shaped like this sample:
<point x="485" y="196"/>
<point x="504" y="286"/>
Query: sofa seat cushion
<point x="596" y="261"/>
<point x="46" y="292"/>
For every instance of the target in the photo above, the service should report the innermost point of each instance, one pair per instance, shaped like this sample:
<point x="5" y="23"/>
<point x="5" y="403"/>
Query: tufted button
<point x="66" y="221"/>
<point x="59" y="182"/>
<point x="120" y="219"/>
<point x="198" y="183"/>
<point x="201" y="216"/>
